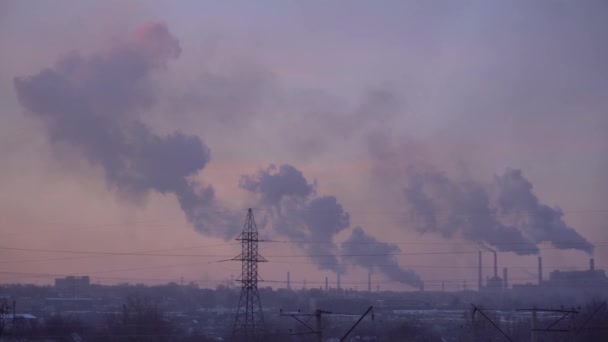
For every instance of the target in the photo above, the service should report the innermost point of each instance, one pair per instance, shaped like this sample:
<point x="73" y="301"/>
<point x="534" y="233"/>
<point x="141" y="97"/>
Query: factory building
<point x="494" y="283"/>
<point x="586" y="279"/>
<point x="72" y="285"/>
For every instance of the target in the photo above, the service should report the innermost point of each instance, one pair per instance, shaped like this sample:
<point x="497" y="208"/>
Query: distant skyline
<point x="397" y="137"/>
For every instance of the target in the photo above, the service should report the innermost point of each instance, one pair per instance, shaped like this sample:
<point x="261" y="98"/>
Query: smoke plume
<point x="273" y="185"/>
<point x="296" y="212"/>
<point x="94" y="104"/>
<point x="460" y="209"/>
<point x="539" y="221"/>
<point x="362" y="248"/>
<point x="514" y="221"/>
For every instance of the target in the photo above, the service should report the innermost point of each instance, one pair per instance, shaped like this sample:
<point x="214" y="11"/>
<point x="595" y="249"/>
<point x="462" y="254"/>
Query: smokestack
<point x="288" y="281"/>
<point x="540" y="270"/>
<point x="326" y="284"/>
<point x="592" y="264"/>
<point x="495" y="265"/>
<point x="369" y="282"/>
<point x="480" y="283"/>
<point x="505" y="282"/>
<point x="338" y="282"/>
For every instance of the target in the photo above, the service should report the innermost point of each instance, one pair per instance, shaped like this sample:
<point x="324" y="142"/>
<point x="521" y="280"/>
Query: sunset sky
<point x="397" y="137"/>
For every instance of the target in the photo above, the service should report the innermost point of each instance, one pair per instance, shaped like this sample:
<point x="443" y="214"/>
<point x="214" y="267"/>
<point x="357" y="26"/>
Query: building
<point x="72" y="286"/>
<point x="587" y="279"/>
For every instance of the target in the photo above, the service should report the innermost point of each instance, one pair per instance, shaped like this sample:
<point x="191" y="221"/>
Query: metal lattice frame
<point x="249" y="321"/>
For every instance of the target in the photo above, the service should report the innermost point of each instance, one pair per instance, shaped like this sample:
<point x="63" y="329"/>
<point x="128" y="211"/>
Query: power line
<point x="531" y="250"/>
<point x="411" y="243"/>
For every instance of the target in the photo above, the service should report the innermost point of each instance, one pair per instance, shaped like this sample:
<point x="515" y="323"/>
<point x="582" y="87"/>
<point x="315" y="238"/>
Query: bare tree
<point x="6" y="314"/>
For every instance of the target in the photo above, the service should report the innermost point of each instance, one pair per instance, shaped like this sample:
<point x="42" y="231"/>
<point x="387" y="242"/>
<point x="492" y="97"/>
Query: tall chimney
<point x="288" y="281"/>
<point x="369" y="282"/>
<point x="480" y="283"/>
<point x="495" y="266"/>
<point x="326" y="284"/>
<point x="540" y="270"/>
<point x="591" y="264"/>
<point x="338" y="281"/>
<point x="505" y="282"/>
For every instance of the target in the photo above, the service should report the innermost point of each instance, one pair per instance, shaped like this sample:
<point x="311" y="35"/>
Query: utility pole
<point x="317" y="330"/>
<point x="357" y="323"/>
<point x="551" y="327"/>
<point x="476" y="309"/>
<point x="533" y="325"/>
<point x="249" y="320"/>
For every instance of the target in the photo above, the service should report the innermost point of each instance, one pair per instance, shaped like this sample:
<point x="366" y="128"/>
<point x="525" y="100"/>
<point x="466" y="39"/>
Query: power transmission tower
<point x="249" y="321"/>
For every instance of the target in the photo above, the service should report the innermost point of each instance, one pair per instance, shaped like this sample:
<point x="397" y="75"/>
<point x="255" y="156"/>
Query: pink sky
<point x="469" y="90"/>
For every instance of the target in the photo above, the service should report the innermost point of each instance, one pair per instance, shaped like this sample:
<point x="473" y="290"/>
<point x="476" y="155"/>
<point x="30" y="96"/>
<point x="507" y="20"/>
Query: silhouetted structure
<point x="72" y="285"/>
<point x="249" y="321"/>
<point x="480" y="276"/>
<point x="540" y="270"/>
<point x="495" y="283"/>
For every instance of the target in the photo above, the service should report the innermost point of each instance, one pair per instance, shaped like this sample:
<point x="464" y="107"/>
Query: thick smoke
<point x="539" y="221"/>
<point x="297" y="213"/>
<point x="93" y="104"/>
<point x="362" y="248"/>
<point x="515" y="221"/>
<point x="460" y="209"/>
<point x="273" y="185"/>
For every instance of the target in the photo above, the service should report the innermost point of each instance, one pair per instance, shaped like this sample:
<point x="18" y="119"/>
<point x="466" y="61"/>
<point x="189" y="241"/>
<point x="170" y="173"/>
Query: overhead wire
<point x="150" y="254"/>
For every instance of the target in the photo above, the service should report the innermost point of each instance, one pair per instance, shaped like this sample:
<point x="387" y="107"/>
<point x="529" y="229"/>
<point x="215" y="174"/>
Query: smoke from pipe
<point x="94" y="105"/>
<point x="538" y="221"/>
<point x="368" y="252"/>
<point x="460" y="209"/>
<point x="296" y="212"/>
<point x="505" y="214"/>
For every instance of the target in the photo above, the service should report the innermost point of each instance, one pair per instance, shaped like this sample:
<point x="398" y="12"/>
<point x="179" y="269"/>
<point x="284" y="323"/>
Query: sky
<point x="394" y="137"/>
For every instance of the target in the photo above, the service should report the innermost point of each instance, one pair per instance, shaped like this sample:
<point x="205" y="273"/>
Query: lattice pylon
<point x="249" y="320"/>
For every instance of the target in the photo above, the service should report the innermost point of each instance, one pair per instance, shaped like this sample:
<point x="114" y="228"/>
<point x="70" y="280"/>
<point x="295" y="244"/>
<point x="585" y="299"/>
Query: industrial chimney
<point x="540" y="270"/>
<point x="592" y="265"/>
<point x="480" y="283"/>
<point x="505" y="282"/>
<point x="495" y="265"/>
<point x="326" y="284"/>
